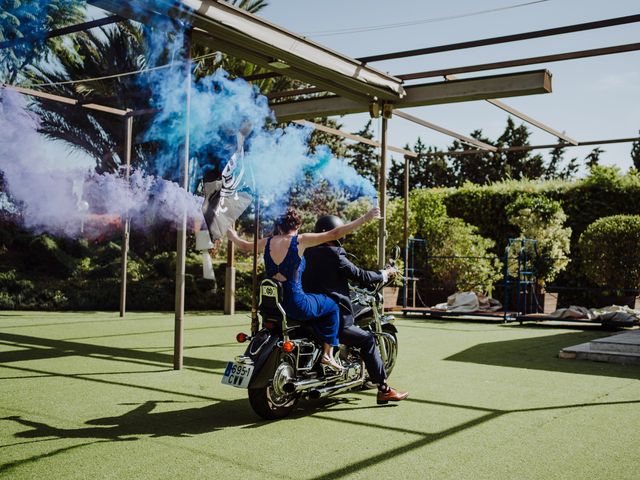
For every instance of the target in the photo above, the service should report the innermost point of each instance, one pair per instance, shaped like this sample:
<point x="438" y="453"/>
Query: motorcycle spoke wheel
<point x="391" y="347"/>
<point x="272" y="402"/>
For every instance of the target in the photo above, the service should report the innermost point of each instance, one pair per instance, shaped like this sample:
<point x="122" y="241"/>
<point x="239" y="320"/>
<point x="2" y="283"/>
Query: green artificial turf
<point x="91" y="396"/>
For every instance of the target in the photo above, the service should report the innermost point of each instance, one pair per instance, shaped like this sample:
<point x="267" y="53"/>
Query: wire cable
<point x="346" y="31"/>
<point x="119" y="75"/>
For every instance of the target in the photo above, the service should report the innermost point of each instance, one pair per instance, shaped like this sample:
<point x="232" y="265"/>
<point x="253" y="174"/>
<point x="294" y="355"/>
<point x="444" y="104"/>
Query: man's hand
<point x="391" y="272"/>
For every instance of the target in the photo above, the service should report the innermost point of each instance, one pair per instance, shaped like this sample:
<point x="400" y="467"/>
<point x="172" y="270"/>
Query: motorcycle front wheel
<point x="390" y="343"/>
<point x="272" y="402"/>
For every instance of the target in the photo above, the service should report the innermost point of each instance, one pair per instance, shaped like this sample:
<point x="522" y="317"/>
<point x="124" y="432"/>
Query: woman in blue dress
<point x="284" y="261"/>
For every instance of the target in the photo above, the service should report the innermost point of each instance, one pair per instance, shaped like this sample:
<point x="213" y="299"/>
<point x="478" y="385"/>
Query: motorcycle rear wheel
<point x="272" y="402"/>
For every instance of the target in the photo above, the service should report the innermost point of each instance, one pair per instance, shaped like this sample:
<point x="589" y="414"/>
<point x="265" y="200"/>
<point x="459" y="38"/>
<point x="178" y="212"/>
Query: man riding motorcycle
<point x="328" y="271"/>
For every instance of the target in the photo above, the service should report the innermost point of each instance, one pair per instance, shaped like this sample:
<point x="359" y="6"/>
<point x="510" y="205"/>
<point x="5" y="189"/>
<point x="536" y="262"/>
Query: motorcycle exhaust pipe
<point x="317" y="393"/>
<point x="293" y="387"/>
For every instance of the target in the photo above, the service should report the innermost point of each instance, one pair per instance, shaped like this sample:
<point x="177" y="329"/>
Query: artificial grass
<point x="89" y="395"/>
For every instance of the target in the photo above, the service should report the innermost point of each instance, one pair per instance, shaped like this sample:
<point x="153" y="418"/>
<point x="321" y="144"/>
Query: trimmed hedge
<point x="609" y="251"/>
<point x="603" y="193"/>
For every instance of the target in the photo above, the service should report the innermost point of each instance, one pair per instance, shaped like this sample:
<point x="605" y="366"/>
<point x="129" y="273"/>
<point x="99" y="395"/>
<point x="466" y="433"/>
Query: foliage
<point x="542" y="220"/>
<point x="96" y="53"/>
<point x="364" y="157"/>
<point x="363" y="242"/>
<point x="25" y="23"/>
<point x="462" y="261"/>
<point x="444" y="236"/>
<point x="635" y="154"/>
<point x="593" y="158"/>
<point x="609" y="251"/>
<point x="483" y="167"/>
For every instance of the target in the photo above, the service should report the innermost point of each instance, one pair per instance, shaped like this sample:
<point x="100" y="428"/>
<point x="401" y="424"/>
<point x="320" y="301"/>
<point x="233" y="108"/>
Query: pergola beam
<point x="247" y="36"/>
<point x="80" y="27"/>
<point x="526" y="148"/>
<point x="481" y="88"/>
<point x="579" y="27"/>
<point x="67" y="100"/>
<point x="509" y="109"/>
<point x="356" y="138"/>
<point x="437" y="128"/>
<point x="519" y="62"/>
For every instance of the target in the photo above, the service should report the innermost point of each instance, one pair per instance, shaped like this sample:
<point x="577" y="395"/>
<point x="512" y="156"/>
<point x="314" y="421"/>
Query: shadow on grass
<point x="142" y="421"/>
<point x="36" y="348"/>
<point x="541" y="353"/>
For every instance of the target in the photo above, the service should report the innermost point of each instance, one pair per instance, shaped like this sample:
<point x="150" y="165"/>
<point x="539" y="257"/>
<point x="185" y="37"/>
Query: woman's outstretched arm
<point x="308" y="240"/>
<point x="244" y="245"/>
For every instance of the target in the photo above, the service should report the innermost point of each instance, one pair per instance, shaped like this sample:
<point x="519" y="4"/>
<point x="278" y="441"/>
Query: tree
<point x="481" y="168"/>
<point x="95" y="54"/>
<point x="519" y="164"/>
<point x="635" y="154"/>
<point x="334" y="142"/>
<point x="25" y="23"/>
<point x="427" y="170"/>
<point x="98" y="53"/>
<point x="364" y="157"/>
<point x="593" y="158"/>
<point x="555" y="168"/>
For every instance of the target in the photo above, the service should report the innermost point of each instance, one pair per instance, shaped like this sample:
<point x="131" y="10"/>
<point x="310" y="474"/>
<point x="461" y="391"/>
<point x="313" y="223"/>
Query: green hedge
<point x="603" y="193"/>
<point x="46" y="273"/>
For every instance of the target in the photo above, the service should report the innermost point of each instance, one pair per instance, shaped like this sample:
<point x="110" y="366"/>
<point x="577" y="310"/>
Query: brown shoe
<point x="391" y="395"/>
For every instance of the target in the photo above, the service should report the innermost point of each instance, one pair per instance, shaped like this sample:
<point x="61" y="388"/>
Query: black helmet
<point x="326" y="223"/>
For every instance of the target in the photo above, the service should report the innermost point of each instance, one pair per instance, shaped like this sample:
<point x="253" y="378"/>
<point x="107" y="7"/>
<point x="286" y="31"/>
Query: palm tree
<point x="109" y="50"/>
<point x="95" y="54"/>
<point x="23" y="26"/>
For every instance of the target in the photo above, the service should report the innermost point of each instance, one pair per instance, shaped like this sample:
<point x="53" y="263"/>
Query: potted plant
<point x="541" y="219"/>
<point x="609" y="258"/>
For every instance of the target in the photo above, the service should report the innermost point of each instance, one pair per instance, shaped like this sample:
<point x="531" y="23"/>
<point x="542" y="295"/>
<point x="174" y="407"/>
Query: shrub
<point x="472" y="267"/>
<point x="542" y="219"/>
<point x="46" y="256"/>
<point x="609" y="251"/>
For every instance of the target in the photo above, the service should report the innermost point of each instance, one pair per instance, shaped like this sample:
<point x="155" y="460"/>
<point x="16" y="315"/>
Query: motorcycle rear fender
<point x="263" y="374"/>
<point x="265" y="354"/>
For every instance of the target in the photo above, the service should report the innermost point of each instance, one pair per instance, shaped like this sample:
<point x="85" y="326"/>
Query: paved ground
<point x="90" y="396"/>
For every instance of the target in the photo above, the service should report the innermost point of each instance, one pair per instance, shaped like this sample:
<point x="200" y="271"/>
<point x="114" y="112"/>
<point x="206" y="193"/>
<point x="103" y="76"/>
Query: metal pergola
<point x="339" y="85"/>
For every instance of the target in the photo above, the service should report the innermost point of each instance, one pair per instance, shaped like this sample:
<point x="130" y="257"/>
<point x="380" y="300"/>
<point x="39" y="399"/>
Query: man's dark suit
<point x="328" y="271"/>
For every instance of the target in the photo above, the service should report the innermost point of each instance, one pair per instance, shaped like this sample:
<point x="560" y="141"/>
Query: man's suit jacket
<point x="329" y="271"/>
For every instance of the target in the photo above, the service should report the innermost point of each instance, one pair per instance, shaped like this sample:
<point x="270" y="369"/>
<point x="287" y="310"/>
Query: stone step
<point x="584" y="352"/>
<point x="628" y="342"/>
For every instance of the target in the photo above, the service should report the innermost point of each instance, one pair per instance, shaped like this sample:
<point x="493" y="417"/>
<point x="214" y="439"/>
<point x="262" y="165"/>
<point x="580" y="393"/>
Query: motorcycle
<point x="281" y="365"/>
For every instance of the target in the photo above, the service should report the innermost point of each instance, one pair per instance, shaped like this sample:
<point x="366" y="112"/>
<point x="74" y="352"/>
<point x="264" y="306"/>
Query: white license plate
<point x="237" y="374"/>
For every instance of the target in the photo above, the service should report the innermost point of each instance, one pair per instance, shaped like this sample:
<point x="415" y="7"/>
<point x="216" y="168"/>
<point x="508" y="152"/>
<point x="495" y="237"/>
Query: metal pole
<point x="128" y="133"/>
<point x="254" y="290"/>
<point x="178" y="344"/>
<point x="406" y="233"/>
<point x="230" y="281"/>
<point x="382" y="230"/>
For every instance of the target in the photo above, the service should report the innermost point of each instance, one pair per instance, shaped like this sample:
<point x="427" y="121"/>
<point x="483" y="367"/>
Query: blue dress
<point x="302" y="306"/>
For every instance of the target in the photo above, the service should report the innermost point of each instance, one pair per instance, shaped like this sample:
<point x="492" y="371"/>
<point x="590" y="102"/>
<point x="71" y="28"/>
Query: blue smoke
<point x="275" y="159"/>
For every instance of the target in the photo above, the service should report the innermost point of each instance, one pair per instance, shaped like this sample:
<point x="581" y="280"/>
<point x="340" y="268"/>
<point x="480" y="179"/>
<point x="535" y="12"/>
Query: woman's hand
<point x="231" y="234"/>
<point x="372" y="214"/>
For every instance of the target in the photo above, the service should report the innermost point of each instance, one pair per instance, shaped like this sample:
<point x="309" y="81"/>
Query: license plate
<point x="237" y="374"/>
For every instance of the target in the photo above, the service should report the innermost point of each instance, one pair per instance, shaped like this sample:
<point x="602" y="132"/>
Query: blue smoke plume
<point x="275" y="158"/>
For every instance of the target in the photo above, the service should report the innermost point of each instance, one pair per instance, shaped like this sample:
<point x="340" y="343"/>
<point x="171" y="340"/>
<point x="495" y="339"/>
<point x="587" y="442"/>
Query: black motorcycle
<point x="282" y="362"/>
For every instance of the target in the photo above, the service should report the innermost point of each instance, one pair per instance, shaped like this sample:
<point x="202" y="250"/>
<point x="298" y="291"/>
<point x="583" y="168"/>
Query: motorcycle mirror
<point x="396" y="252"/>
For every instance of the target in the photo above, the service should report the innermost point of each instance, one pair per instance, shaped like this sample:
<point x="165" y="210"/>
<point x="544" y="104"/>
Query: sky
<point x="592" y="99"/>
